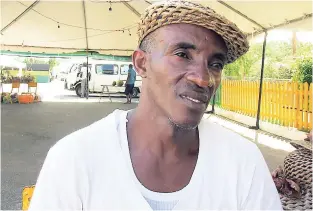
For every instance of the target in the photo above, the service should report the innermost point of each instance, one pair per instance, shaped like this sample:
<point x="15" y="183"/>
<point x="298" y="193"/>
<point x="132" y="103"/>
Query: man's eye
<point x="182" y="54"/>
<point x="217" y="66"/>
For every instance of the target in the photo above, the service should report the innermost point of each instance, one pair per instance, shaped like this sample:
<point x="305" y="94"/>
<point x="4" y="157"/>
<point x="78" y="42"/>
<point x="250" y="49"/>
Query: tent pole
<point x="257" y="125"/>
<point x="241" y="14"/>
<point x="213" y="103"/>
<point x="131" y="8"/>
<point x="87" y="48"/>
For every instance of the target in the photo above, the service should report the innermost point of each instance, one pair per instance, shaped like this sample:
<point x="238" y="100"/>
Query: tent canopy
<point x="43" y="26"/>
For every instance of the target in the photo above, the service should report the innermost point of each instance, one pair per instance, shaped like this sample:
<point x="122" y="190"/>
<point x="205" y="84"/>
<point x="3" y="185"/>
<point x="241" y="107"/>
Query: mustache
<point x="195" y="88"/>
<point x="202" y="94"/>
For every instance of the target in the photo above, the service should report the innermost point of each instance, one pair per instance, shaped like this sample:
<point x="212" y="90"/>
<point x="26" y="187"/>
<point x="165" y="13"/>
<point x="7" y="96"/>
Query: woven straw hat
<point x="179" y="11"/>
<point x="298" y="167"/>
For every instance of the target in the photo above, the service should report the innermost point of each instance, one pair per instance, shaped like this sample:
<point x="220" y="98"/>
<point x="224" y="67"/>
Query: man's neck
<point x="149" y="129"/>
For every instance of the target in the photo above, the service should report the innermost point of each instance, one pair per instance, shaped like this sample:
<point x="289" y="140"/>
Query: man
<point x="83" y="83"/>
<point x="130" y="83"/>
<point x="163" y="155"/>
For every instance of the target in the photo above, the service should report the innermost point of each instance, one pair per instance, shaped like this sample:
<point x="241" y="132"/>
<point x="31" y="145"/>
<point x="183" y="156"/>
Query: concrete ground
<point x="28" y="131"/>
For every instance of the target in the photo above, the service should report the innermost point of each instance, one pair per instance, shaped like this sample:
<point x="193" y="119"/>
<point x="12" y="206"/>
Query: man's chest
<point x="215" y="185"/>
<point x="163" y="176"/>
<point x="117" y="190"/>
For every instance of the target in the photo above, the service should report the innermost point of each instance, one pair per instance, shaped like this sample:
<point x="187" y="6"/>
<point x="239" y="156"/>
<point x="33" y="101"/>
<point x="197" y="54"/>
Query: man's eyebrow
<point x="184" y="45"/>
<point x="220" y="56"/>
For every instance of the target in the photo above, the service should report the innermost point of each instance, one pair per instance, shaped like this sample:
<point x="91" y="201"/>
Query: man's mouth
<point x="192" y="99"/>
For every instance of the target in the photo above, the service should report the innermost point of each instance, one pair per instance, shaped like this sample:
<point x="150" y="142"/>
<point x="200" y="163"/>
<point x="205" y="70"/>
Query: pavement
<point x="28" y="131"/>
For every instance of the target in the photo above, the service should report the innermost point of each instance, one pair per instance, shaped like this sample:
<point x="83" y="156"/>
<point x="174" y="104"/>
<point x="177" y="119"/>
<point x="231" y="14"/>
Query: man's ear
<point x="139" y="61"/>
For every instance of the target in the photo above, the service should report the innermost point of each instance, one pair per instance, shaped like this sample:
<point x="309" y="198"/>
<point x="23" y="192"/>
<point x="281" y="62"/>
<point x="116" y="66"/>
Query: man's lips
<point x="199" y="99"/>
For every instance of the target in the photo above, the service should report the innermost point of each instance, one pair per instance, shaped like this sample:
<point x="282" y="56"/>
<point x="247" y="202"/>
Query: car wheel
<point x="78" y="90"/>
<point x="135" y="92"/>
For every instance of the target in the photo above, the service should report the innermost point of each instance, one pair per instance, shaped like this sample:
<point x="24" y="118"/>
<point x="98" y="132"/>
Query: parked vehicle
<point x="71" y="76"/>
<point x="110" y="73"/>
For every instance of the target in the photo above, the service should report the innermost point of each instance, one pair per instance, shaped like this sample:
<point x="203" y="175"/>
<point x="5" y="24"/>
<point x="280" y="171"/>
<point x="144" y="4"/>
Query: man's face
<point x="183" y="71"/>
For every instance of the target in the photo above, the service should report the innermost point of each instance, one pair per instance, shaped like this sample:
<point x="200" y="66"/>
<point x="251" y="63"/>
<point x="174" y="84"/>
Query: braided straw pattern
<point x="298" y="167"/>
<point x="179" y="11"/>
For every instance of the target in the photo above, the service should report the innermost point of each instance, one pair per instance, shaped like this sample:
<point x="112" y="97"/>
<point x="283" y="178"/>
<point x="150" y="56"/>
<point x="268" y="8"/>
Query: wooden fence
<point x="285" y="103"/>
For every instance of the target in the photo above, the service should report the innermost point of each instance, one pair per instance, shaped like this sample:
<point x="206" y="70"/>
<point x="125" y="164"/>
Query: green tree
<point x="279" y="61"/>
<point x="241" y="68"/>
<point x="303" y="68"/>
<point x="29" y="61"/>
<point x="53" y="62"/>
<point x="304" y="50"/>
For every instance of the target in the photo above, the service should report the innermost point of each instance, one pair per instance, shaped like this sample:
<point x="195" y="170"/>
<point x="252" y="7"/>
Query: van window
<point x="124" y="69"/>
<point x="73" y="68"/>
<point x="107" y="69"/>
<point x="78" y="68"/>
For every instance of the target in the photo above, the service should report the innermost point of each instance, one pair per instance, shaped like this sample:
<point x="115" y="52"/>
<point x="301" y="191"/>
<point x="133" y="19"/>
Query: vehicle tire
<point x="78" y="90"/>
<point x="135" y="92"/>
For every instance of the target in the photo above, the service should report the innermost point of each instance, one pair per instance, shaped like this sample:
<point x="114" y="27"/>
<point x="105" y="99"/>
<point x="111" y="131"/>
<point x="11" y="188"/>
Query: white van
<point x="71" y="76"/>
<point x="105" y="73"/>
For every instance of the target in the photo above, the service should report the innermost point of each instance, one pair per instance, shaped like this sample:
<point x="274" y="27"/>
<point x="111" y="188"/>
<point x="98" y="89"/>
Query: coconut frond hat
<point x="179" y="11"/>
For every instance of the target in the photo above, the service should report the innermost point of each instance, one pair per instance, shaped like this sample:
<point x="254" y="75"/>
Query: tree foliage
<point x="242" y="66"/>
<point x="304" y="70"/>
<point x="280" y="62"/>
<point x="52" y="62"/>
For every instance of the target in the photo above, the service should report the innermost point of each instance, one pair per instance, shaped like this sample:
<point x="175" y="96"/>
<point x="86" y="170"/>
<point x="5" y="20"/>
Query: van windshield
<point x="106" y="69"/>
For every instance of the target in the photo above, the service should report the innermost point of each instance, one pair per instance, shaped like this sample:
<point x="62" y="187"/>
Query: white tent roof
<point x="33" y="25"/>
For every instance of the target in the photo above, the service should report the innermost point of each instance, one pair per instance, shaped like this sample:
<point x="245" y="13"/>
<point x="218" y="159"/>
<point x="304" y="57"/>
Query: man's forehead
<point x="196" y="35"/>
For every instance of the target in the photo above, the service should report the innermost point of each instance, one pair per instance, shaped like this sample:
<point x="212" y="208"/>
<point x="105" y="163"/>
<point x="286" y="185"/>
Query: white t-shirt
<point x="89" y="170"/>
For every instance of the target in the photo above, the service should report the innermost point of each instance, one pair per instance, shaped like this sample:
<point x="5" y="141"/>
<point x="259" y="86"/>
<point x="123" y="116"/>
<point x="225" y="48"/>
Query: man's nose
<point x="202" y="78"/>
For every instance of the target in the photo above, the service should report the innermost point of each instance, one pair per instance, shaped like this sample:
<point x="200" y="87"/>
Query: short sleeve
<point x="262" y="194"/>
<point x="58" y="186"/>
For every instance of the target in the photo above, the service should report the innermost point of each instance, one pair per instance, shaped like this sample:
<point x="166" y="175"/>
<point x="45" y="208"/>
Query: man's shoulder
<point x="228" y="140"/>
<point x="101" y="133"/>
<point x="228" y="148"/>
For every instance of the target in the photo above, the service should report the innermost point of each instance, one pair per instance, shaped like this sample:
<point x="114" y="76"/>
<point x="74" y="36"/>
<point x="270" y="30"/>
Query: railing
<point x="283" y="102"/>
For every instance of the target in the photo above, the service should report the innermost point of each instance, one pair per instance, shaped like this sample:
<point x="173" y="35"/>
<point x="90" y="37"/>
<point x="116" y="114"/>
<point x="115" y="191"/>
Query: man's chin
<point x="185" y="123"/>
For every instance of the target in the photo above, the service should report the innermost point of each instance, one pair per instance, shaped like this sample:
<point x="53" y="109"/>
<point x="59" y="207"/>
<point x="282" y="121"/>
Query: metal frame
<point x="131" y="9"/>
<point x="87" y="55"/>
<point x="288" y="22"/>
<point x="66" y="49"/>
<point x="257" y="124"/>
<point x="20" y="15"/>
<point x="241" y="14"/>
